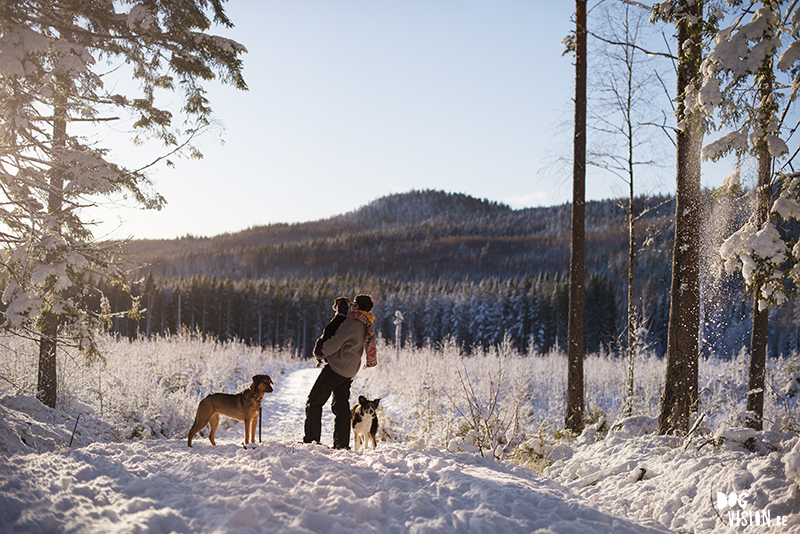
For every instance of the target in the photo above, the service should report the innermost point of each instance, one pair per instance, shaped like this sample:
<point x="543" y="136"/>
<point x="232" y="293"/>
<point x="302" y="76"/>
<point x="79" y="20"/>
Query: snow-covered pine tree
<point x="752" y="103"/>
<point x="56" y="58"/>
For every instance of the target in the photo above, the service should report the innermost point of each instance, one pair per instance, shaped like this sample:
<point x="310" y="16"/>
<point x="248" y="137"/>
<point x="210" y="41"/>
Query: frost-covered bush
<point x="422" y="393"/>
<point x="150" y="388"/>
<point x="488" y="407"/>
<point x="146" y="388"/>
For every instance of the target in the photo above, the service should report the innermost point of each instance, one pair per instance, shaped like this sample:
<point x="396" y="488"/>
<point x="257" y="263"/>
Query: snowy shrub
<point x="792" y="463"/>
<point x="737" y="438"/>
<point x="792" y="390"/>
<point x="486" y="427"/>
<point x="543" y="449"/>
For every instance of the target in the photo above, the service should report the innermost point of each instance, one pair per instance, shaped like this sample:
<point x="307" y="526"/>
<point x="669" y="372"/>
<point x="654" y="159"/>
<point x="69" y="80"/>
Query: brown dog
<point x="241" y="406"/>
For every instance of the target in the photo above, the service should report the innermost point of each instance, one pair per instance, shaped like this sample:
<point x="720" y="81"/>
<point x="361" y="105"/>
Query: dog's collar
<point x="256" y="396"/>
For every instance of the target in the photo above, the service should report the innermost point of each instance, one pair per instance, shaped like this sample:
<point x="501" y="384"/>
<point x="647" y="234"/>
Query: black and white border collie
<point x="364" y="419"/>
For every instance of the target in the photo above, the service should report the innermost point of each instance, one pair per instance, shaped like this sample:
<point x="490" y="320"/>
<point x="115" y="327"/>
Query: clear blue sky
<point x="351" y="100"/>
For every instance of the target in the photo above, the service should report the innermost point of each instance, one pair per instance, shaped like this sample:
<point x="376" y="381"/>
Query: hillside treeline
<point x="421" y="235"/>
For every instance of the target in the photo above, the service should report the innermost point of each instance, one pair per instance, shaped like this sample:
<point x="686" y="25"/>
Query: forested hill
<point x="458" y="268"/>
<point x="420" y="235"/>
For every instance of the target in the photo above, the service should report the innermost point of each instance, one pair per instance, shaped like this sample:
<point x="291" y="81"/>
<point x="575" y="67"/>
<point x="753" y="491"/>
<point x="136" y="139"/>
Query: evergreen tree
<point x="52" y="87"/>
<point x="750" y="103"/>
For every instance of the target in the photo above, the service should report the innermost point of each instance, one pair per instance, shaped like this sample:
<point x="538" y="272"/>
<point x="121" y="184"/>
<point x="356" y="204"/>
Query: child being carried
<point x="342" y="307"/>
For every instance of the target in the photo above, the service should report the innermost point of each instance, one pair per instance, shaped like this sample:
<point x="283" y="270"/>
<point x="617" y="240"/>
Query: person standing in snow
<point x="343" y="354"/>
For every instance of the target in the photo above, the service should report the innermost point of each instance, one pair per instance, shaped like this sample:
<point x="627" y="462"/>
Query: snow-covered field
<point x="468" y="444"/>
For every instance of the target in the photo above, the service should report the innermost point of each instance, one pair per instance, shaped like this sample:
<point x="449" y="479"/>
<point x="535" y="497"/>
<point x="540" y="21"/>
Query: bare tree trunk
<point x="47" y="384"/>
<point x="47" y="387"/>
<point x="680" y="382"/>
<point x="758" y="339"/>
<point x="628" y="410"/>
<point x="758" y="361"/>
<point x="574" y="415"/>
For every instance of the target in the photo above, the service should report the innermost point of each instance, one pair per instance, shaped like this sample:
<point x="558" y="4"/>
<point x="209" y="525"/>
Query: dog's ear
<point x="362" y="399"/>
<point x="376" y="401"/>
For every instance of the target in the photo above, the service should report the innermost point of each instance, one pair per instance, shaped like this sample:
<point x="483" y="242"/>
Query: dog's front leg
<point x="214" y="421"/>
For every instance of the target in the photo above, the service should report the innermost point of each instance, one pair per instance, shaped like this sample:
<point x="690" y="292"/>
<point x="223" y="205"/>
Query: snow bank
<point x="26" y="425"/>
<point x="284" y="487"/>
<point x="676" y="483"/>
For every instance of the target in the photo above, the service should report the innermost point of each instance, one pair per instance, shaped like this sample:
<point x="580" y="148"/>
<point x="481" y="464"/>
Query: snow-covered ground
<point x="281" y="485"/>
<point x="615" y="477"/>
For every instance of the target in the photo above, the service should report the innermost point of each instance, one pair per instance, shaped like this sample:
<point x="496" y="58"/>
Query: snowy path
<point x="281" y="485"/>
<point x="283" y="411"/>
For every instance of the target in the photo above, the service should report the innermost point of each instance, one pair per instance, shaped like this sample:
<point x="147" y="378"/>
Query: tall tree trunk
<point x="47" y="386"/>
<point x="574" y="413"/>
<point x="680" y="381"/>
<point x="758" y="339"/>
<point x="631" y="229"/>
<point x="628" y="410"/>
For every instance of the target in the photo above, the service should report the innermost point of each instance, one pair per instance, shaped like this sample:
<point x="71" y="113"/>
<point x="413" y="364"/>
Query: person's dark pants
<point x="329" y="382"/>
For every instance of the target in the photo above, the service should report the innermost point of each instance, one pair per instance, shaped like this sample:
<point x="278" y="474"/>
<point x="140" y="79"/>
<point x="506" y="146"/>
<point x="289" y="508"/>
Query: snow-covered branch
<point x="741" y="89"/>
